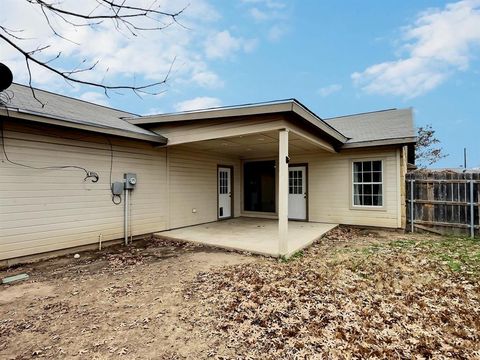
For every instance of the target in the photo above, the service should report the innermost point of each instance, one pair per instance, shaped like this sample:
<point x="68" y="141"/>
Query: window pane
<point x="377" y="165"/>
<point x="357" y="189"/>
<point x="356" y="200"/>
<point x="377" y="189"/>
<point x="377" y="200"/>
<point x="367" y="166"/>
<point x="367" y="200"/>
<point x="357" y="166"/>
<point x="367" y="177"/>
<point x="367" y="189"/>
<point x="377" y="177"/>
<point x="357" y="177"/>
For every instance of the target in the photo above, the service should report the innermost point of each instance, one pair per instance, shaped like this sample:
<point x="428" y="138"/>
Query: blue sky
<point x="336" y="57"/>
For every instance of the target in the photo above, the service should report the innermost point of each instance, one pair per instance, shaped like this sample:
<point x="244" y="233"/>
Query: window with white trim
<point x="367" y="183"/>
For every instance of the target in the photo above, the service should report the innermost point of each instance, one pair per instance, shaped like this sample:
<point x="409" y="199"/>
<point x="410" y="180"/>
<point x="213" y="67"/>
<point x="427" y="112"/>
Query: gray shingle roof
<point x="72" y="110"/>
<point x="376" y="126"/>
<point x="360" y="129"/>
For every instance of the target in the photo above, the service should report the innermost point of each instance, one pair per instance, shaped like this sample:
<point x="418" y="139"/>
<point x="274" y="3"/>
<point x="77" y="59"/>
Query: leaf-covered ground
<point x="355" y="294"/>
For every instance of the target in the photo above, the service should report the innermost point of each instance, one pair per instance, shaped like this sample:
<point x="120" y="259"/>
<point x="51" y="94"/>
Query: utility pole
<point x="465" y="158"/>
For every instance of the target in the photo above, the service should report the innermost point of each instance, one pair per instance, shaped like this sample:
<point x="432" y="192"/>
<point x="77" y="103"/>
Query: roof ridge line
<point x="279" y="101"/>
<point x="363" y="113"/>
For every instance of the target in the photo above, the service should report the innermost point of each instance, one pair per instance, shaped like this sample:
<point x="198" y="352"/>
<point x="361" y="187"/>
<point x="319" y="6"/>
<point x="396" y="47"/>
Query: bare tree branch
<point x="428" y="150"/>
<point x="67" y="74"/>
<point x="123" y="16"/>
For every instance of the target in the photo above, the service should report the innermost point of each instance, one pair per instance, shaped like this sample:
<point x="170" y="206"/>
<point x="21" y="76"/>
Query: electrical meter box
<point x="130" y="181"/>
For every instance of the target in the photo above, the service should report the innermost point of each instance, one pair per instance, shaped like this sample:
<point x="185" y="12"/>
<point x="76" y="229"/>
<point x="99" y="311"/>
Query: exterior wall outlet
<point x="194" y="210"/>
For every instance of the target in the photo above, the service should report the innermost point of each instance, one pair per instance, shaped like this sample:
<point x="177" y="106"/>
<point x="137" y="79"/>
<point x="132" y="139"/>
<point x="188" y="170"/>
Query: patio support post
<point x="283" y="192"/>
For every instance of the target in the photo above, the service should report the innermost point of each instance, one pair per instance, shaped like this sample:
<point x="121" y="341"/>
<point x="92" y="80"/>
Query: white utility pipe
<point x="125" y="219"/>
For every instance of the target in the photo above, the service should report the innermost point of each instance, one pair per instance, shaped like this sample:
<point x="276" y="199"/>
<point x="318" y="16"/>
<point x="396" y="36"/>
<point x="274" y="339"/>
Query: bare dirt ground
<point x="126" y="303"/>
<point x="354" y="294"/>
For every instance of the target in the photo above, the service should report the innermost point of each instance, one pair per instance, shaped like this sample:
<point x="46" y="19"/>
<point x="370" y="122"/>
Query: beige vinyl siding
<point x="403" y="185"/>
<point x="193" y="185"/>
<point x="330" y="188"/>
<point x="45" y="210"/>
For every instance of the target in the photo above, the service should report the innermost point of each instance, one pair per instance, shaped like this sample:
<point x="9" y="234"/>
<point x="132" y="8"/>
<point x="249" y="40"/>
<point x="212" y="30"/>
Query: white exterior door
<point x="297" y="192"/>
<point x="224" y="192"/>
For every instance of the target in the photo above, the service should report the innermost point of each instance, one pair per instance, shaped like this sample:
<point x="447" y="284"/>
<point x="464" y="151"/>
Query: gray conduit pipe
<point x="125" y="215"/>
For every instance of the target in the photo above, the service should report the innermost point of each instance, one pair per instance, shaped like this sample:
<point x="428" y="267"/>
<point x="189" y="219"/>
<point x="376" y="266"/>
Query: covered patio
<point x="259" y="175"/>
<point x="259" y="236"/>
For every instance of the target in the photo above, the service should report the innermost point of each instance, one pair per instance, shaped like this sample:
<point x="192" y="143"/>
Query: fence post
<point x="472" y="212"/>
<point x="412" y="208"/>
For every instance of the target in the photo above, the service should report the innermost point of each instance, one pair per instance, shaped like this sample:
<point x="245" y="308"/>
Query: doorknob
<point x="305" y="195"/>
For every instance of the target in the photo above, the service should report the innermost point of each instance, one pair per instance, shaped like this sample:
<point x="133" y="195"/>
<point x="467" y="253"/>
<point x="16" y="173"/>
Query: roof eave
<point x="73" y="124"/>
<point x="213" y="113"/>
<point x="380" y="142"/>
<point x="308" y="115"/>
<point x="261" y="109"/>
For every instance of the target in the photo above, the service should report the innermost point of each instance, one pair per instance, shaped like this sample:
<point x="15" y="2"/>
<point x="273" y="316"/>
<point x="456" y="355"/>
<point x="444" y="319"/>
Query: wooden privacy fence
<point x="444" y="202"/>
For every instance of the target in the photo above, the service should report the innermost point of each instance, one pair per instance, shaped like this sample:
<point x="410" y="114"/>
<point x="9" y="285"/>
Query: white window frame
<point x="353" y="183"/>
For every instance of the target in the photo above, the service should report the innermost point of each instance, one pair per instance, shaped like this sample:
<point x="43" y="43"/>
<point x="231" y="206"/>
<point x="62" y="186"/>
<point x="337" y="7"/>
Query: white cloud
<point x="124" y="58"/>
<point x="258" y="14"/>
<point x="274" y="14"/>
<point x="329" y="90"/>
<point x="276" y="32"/>
<point x="95" y="98"/>
<point x="202" y="102"/>
<point x="272" y="4"/>
<point x="439" y="43"/>
<point x="207" y="79"/>
<point x="153" y="111"/>
<point x="223" y="45"/>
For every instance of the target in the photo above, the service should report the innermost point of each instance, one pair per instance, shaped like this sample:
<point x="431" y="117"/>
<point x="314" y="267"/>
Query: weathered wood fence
<point x="444" y="202"/>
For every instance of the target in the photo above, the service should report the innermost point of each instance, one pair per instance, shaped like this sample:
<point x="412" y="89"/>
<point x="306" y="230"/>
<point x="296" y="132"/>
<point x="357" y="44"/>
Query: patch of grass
<point x="460" y="254"/>
<point x="453" y="264"/>
<point x="298" y="255"/>
<point x="371" y="249"/>
<point x="403" y="243"/>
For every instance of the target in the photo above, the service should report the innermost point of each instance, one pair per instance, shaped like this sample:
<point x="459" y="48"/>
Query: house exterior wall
<point x="47" y="210"/>
<point x="193" y="185"/>
<point x="330" y="188"/>
<point x="403" y="185"/>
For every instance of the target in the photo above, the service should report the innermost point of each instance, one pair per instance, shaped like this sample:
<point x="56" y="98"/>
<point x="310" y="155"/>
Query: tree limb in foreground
<point x="122" y="15"/>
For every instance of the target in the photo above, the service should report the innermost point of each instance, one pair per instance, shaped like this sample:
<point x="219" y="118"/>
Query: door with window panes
<point x="297" y="192"/>
<point x="224" y="192"/>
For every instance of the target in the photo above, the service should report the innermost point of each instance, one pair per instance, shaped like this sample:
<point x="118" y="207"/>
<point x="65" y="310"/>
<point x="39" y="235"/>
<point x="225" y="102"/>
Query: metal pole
<point x="130" y="218"/>
<point x="472" y="212"/>
<point x="465" y="158"/>
<point x="125" y="214"/>
<point x="412" y="208"/>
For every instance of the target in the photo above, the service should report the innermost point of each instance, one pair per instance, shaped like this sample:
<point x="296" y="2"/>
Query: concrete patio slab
<point x="255" y="235"/>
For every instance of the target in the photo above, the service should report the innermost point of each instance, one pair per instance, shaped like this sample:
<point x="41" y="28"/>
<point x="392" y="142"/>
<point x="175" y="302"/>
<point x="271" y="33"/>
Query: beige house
<point x="273" y="167"/>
